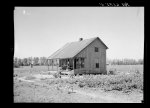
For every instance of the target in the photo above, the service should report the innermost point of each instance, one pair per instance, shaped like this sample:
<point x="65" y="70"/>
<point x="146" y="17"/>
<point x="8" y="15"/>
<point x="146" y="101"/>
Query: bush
<point x="137" y="72"/>
<point x="113" y="82"/>
<point x="81" y="85"/>
<point x="56" y="75"/>
<point x="112" y="72"/>
<point x="16" y="66"/>
<point x="125" y="83"/>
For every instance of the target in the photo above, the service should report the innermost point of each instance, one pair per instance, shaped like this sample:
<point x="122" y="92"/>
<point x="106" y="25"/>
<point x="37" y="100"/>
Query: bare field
<point x="126" y="68"/>
<point x="38" y="69"/>
<point x="85" y="89"/>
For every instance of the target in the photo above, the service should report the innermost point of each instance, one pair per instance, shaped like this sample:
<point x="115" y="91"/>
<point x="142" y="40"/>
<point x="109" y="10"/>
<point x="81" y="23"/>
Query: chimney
<point x="80" y="39"/>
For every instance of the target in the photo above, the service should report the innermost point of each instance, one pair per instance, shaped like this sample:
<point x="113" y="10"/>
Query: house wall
<point x="90" y="56"/>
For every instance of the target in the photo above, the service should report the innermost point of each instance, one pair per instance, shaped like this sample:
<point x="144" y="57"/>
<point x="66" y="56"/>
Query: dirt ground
<point x="39" y="91"/>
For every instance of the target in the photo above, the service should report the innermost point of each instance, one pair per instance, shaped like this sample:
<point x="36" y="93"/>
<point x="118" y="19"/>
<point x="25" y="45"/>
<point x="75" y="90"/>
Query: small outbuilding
<point x="86" y="56"/>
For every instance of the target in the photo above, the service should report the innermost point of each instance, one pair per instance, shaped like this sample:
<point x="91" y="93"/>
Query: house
<point x="86" y="56"/>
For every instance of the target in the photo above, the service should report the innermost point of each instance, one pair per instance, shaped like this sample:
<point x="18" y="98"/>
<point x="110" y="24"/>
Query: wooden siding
<point x="90" y="56"/>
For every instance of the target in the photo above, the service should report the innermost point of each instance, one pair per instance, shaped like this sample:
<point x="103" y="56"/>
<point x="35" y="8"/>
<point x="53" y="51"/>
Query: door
<point x="97" y="65"/>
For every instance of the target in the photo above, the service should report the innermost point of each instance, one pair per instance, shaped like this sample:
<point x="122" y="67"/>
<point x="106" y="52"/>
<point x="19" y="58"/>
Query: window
<point x="97" y="65"/>
<point x="96" y="49"/>
<point x="79" y="63"/>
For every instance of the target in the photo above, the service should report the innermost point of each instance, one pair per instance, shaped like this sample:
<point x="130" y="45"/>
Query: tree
<point x="36" y="60"/>
<point x="140" y="61"/>
<point x="43" y="60"/>
<point x="25" y="62"/>
<point x="20" y="62"/>
<point x="16" y="62"/>
<point x="125" y="61"/>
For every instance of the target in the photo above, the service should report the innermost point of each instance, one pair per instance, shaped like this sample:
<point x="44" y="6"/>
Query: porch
<point x="66" y="65"/>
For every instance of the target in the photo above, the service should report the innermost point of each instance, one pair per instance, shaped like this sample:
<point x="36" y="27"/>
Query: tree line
<point x="42" y="61"/>
<point x="125" y="61"/>
<point x="36" y="61"/>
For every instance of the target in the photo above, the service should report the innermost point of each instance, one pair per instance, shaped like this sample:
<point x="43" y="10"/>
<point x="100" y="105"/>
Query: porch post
<point x="57" y="64"/>
<point x="48" y="64"/>
<point x="52" y="64"/>
<point x="78" y="65"/>
<point x="73" y="63"/>
<point x="67" y="63"/>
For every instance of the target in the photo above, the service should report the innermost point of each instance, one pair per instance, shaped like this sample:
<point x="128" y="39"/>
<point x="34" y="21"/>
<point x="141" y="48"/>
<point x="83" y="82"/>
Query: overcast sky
<point x="40" y="31"/>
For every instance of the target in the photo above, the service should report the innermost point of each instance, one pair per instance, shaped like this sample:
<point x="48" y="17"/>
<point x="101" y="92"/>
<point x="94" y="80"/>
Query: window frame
<point x="96" y="49"/>
<point x="96" y="65"/>
<point x="80" y="62"/>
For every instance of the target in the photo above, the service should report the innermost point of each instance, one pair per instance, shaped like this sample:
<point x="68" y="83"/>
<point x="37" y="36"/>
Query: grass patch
<point x="30" y="78"/>
<point x="114" y="82"/>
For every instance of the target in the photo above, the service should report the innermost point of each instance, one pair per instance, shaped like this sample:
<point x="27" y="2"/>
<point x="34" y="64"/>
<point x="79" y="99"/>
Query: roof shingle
<point x="71" y="49"/>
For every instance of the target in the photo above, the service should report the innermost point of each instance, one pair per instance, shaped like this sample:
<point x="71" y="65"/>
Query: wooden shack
<point x="86" y="56"/>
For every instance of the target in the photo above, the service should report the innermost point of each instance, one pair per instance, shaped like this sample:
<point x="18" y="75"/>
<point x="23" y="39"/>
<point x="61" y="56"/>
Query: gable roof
<point x="71" y="49"/>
